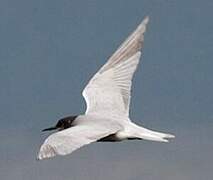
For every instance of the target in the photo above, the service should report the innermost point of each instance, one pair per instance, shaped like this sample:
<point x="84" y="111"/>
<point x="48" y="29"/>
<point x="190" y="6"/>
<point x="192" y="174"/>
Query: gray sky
<point x="49" y="50"/>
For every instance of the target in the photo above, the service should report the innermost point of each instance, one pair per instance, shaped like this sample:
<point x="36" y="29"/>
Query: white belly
<point x="122" y="135"/>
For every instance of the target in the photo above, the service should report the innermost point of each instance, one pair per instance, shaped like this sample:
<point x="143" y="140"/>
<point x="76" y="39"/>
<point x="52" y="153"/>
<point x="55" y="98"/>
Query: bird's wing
<point x="68" y="140"/>
<point x="109" y="89"/>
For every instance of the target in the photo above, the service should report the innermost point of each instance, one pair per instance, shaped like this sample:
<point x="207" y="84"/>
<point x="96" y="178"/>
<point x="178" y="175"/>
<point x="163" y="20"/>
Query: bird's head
<point x="62" y="124"/>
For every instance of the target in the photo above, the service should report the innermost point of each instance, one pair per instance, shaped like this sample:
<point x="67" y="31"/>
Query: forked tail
<point x="146" y="134"/>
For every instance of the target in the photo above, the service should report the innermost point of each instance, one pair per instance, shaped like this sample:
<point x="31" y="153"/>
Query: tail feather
<point x="148" y="134"/>
<point x="160" y="134"/>
<point x="152" y="138"/>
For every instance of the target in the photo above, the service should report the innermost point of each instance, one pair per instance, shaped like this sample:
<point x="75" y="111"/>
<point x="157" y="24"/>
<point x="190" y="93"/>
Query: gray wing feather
<point x="110" y="88"/>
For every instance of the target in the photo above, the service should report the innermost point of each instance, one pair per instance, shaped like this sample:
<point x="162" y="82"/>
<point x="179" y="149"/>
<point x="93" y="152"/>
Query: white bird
<point x="107" y="97"/>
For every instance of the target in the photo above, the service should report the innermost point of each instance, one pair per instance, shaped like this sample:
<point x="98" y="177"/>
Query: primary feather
<point x="110" y="88"/>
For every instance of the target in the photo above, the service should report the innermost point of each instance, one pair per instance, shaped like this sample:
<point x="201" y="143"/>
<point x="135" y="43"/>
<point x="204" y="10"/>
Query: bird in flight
<point x="107" y="96"/>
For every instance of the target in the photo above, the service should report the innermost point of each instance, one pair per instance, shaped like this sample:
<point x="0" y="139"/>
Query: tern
<point x="107" y="96"/>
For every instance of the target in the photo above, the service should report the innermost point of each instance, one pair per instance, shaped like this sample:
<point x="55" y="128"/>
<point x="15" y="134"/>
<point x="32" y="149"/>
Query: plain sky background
<point x="50" y="49"/>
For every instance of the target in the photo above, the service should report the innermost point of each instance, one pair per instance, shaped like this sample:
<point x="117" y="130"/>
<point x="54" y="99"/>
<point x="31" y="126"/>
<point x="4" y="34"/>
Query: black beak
<point x="50" y="129"/>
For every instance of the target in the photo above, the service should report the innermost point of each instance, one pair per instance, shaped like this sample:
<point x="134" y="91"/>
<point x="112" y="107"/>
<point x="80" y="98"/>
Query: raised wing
<point x="109" y="90"/>
<point x="66" y="141"/>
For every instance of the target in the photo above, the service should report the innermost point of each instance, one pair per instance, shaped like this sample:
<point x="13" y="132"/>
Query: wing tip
<point x="143" y="24"/>
<point x="46" y="151"/>
<point x="145" y="20"/>
<point x="39" y="157"/>
<point x="141" y="29"/>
